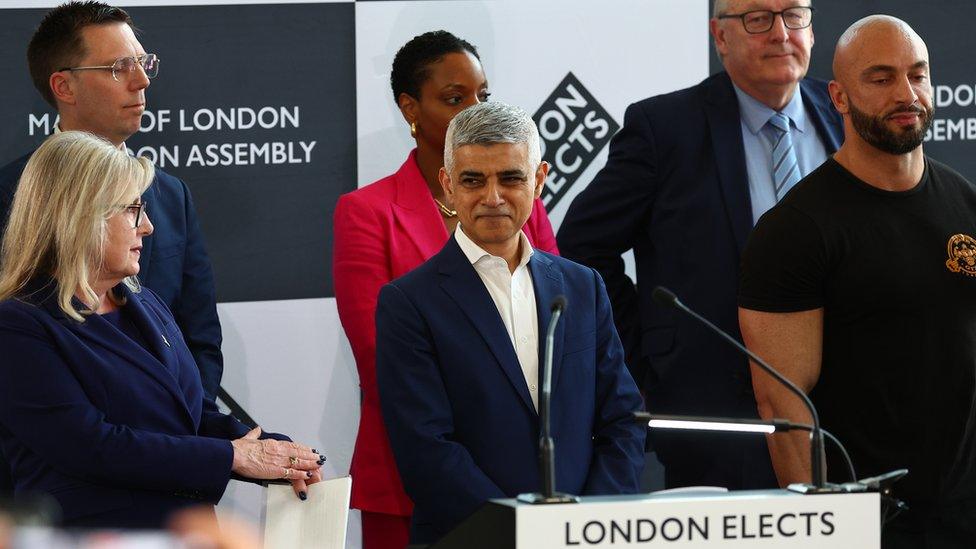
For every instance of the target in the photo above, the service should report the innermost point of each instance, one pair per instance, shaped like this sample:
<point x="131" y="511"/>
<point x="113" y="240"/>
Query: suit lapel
<point x="158" y="363"/>
<point x="460" y="281"/>
<point x="821" y="113"/>
<point x="547" y="281"/>
<point x="722" y="112"/>
<point x="415" y="212"/>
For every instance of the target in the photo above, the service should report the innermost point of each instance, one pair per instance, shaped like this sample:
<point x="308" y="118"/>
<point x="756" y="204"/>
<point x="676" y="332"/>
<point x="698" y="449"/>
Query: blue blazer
<point x="174" y="263"/>
<point x="456" y="405"/>
<point x="118" y="434"/>
<point x="676" y="191"/>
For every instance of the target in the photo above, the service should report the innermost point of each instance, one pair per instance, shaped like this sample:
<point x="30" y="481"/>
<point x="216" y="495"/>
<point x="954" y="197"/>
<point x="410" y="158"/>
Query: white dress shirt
<point x="514" y="298"/>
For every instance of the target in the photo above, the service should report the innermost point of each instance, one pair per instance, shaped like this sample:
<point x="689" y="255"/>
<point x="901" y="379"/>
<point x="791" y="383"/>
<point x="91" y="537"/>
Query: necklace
<point x="445" y="211"/>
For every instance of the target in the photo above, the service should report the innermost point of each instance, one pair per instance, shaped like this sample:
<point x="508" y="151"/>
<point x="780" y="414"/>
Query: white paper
<point x="319" y="522"/>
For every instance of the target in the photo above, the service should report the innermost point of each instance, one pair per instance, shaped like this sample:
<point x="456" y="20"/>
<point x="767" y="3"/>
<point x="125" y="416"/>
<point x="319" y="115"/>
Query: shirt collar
<point x="475" y="253"/>
<point x="755" y="114"/>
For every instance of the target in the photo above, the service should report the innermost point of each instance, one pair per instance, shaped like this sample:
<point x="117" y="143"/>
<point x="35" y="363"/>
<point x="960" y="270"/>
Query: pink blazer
<point x="381" y="232"/>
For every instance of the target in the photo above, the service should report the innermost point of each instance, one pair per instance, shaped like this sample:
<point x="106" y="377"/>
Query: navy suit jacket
<point x="676" y="191"/>
<point x="118" y="434"/>
<point x="456" y="405"/>
<point x="174" y="263"/>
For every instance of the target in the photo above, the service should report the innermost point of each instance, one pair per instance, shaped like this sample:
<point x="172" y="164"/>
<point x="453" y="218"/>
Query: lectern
<point x="759" y="519"/>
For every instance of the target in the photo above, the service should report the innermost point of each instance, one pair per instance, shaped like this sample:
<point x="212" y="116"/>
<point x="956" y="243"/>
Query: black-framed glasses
<point x="125" y="66"/>
<point x="760" y="21"/>
<point x="139" y="208"/>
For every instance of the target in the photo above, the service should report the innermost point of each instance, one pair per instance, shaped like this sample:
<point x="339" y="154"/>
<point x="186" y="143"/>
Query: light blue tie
<point x="786" y="170"/>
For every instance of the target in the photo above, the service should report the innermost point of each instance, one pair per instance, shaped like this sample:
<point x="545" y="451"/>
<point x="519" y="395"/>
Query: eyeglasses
<point x="760" y="21"/>
<point x="139" y="209"/>
<point x="126" y="66"/>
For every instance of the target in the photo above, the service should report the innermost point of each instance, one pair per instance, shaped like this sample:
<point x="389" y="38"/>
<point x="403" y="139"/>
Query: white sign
<point x="766" y="520"/>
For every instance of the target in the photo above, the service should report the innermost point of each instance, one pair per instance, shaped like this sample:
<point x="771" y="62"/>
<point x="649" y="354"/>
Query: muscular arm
<point x="791" y="343"/>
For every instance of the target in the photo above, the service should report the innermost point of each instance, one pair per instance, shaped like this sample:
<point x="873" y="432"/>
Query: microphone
<point x="547" y="457"/>
<point x="665" y="297"/>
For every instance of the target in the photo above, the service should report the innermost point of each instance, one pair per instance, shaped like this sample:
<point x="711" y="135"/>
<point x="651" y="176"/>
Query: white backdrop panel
<point x="289" y="364"/>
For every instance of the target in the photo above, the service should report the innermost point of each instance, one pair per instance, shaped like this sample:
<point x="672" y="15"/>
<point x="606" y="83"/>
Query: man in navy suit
<point x="459" y="352"/>
<point x="86" y="62"/>
<point x="687" y="178"/>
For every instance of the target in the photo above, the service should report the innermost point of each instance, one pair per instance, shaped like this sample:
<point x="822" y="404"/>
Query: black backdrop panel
<point x="255" y="109"/>
<point x="946" y="26"/>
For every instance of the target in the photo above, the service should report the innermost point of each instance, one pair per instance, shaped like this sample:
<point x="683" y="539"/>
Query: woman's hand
<point x="275" y="459"/>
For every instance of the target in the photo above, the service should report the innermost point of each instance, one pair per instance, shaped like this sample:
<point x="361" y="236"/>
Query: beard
<point x="876" y="133"/>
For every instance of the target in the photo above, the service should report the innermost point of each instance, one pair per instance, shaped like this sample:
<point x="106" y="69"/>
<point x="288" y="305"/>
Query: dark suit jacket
<point x="381" y="232"/>
<point x="675" y="189"/>
<point x="457" y="408"/>
<point x="174" y="263"/>
<point x="118" y="434"/>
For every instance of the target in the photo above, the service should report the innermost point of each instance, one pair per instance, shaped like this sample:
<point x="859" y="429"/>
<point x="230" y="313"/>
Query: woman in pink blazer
<point x="388" y="228"/>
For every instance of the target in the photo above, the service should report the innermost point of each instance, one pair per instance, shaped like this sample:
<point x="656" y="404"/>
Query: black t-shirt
<point x="895" y="273"/>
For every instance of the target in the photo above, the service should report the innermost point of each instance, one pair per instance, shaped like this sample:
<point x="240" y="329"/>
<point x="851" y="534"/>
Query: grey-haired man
<point x="458" y="346"/>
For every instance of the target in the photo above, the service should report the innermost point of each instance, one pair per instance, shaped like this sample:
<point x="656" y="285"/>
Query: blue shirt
<point x="758" y="137"/>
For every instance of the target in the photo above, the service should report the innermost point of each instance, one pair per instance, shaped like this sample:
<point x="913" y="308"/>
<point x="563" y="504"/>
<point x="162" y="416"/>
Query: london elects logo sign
<point x="574" y="129"/>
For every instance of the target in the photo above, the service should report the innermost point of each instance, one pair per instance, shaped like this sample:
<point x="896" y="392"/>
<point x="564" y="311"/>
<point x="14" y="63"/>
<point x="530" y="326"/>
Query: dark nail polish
<point x="302" y="496"/>
<point x="322" y="458"/>
<point x="308" y="474"/>
<point x="320" y="462"/>
<point x="314" y="451"/>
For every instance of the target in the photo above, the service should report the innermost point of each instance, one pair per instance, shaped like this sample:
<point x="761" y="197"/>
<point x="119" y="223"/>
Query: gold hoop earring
<point x="413" y="129"/>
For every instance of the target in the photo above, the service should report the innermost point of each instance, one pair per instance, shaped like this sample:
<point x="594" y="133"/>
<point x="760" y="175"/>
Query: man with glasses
<point x="687" y="177"/>
<point x="86" y="62"/>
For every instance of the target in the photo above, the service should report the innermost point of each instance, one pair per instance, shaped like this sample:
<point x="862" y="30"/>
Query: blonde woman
<point x="101" y="405"/>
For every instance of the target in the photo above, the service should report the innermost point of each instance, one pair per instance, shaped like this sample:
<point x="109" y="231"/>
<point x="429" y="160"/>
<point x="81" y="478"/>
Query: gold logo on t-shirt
<point x="962" y="254"/>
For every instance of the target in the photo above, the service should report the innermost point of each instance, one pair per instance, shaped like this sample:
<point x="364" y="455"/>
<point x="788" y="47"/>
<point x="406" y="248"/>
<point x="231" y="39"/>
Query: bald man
<point x="860" y="286"/>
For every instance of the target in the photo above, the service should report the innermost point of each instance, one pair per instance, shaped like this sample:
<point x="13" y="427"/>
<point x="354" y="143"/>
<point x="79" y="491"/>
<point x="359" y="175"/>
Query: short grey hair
<point x="721" y="7"/>
<point x="490" y="123"/>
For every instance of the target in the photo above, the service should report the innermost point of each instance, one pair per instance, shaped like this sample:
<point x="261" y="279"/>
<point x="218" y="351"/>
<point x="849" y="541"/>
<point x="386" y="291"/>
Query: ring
<point x="287" y="473"/>
<point x="293" y="461"/>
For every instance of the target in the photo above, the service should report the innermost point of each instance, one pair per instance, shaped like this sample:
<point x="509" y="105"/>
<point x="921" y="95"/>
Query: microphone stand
<point x="663" y="296"/>
<point x="890" y="505"/>
<point x="547" y="457"/>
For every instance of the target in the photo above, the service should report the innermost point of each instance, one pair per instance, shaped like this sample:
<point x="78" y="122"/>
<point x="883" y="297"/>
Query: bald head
<point x="860" y="45"/>
<point x="881" y="86"/>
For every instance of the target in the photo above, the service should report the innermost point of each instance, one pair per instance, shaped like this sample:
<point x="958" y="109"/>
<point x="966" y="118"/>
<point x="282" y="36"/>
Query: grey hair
<point x="490" y="123"/>
<point x="721" y="7"/>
